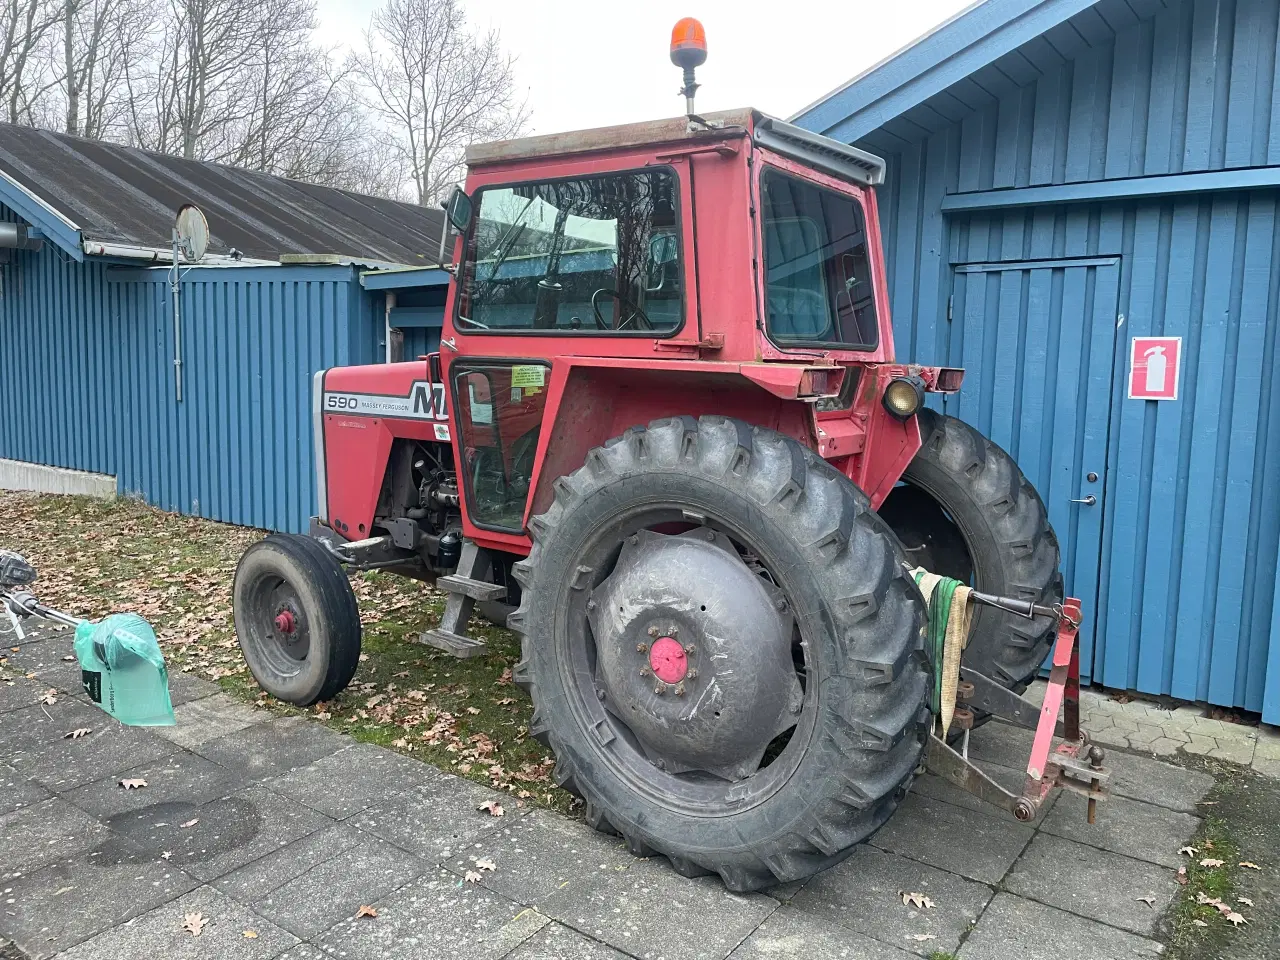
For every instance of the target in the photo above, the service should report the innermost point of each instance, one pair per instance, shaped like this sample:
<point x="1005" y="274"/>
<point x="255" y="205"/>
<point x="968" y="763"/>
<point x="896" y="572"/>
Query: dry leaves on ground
<point x="194" y="923"/>
<point x="1235" y="919"/>
<point x="471" y="876"/>
<point x="1210" y="862"/>
<point x="485" y="864"/>
<point x="914" y="899"/>
<point x="250" y="934"/>
<point x="1249" y="865"/>
<point x="77" y="733"/>
<point x="190" y="823"/>
<point x="1181" y="876"/>
<point x="1245" y="900"/>
<point x="922" y="937"/>
<point x="1149" y="901"/>
<point x="1188" y="851"/>
<point x="366" y="911"/>
<point x="133" y="783"/>
<point x="493" y="806"/>
<point x="50" y="698"/>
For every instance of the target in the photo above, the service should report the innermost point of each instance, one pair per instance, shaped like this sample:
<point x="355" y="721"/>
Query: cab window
<point x="818" y="287"/>
<point x="594" y="255"/>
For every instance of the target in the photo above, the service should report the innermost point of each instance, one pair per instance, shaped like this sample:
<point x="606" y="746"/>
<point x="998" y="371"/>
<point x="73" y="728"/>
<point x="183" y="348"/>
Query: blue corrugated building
<point x="1064" y="176"/>
<point x="297" y="278"/>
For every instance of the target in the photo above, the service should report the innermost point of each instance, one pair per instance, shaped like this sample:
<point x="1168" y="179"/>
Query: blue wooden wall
<point x="87" y="383"/>
<point x="1186" y="580"/>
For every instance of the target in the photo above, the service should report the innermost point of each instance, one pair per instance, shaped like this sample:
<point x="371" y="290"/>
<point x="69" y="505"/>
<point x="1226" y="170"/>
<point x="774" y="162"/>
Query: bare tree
<point x="100" y="41"/>
<point x="23" y="28"/>
<point x="438" y="86"/>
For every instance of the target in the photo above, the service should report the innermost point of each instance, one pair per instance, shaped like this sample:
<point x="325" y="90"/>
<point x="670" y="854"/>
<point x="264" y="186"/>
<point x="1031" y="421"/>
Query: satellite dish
<point x="192" y="232"/>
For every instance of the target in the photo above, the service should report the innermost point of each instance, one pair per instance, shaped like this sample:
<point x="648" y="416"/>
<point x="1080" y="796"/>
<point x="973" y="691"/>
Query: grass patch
<point x="98" y="557"/>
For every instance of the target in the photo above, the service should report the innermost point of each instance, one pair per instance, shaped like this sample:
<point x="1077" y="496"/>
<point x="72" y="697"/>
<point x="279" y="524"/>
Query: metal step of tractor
<point x="475" y="589"/>
<point x="467" y="584"/>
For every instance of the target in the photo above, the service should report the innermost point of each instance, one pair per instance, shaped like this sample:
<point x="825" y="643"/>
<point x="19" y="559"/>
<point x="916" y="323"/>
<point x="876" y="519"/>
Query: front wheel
<point x="724" y="651"/>
<point x="296" y="619"/>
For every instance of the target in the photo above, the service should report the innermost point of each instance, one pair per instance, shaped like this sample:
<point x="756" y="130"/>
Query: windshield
<point x="817" y="265"/>
<point x="595" y="255"/>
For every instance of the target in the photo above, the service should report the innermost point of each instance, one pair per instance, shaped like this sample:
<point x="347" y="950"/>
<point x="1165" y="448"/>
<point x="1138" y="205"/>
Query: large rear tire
<point x="785" y="716"/>
<point x="965" y="510"/>
<point x="296" y="619"/>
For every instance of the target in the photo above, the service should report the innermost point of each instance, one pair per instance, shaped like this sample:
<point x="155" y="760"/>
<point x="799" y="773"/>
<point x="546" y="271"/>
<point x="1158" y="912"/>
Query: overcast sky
<point x="587" y="63"/>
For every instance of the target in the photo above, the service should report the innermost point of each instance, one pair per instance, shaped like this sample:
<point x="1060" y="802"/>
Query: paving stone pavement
<point x="278" y="830"/>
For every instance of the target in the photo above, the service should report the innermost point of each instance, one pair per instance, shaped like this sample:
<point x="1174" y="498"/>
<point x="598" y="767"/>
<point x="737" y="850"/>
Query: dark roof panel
<point x="122" y="195"/>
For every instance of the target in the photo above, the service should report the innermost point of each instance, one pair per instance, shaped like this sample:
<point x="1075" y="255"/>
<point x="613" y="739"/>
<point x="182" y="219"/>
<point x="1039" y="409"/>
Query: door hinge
<point x="951" y="307"/>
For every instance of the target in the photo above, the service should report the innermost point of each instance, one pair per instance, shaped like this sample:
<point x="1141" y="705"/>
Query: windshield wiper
<point x="506" y="243"/>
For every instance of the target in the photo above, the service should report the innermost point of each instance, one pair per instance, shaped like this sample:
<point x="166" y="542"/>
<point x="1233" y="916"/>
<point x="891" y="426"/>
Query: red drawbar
<point x="668" y="660"/>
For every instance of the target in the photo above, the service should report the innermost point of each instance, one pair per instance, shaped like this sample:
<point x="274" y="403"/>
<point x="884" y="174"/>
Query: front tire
<point x="296" y="619"/>
<point x="789" y="597"/>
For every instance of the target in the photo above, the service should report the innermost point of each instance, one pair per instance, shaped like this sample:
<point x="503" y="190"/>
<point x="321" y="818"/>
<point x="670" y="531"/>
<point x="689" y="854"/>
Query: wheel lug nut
<point x="660" y="764"/>
<point x="659" y="689"/>
<point x="710" y="537"/>
<point x="781" y="603"/>
<point x="690" y="650"/>
<point x="599" y="694"/>
<point x="679" y="691"/>
<point x="692" y="674"/>
<point x="653" y="631"/>
<point x="644" y="671"/>
<point x="642" y="648"/>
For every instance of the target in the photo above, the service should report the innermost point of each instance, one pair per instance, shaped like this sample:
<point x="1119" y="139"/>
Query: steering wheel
<point x="636" y="312"/>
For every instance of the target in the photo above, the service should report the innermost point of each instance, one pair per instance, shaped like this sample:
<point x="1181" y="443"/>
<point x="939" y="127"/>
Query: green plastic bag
<point x="123" y="670"/>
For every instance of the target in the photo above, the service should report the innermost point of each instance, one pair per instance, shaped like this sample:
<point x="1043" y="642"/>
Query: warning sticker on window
<point x="528" y="375"/>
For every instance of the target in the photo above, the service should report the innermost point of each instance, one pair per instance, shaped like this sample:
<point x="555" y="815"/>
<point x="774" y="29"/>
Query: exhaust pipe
<point x="13" y="236"/>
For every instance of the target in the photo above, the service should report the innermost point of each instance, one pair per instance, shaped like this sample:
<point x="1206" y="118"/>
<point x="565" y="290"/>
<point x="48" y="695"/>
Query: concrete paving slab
<point x="19" y="692"/>
<point x="45" y="832"/>
<point x="863" y="894"/>
<point x="67" y="678"/>
<point x="256" y="879"/>
<point x="1093" y="883"/>
<point x="60" y="764"/>
<point x="438" y="917"/>
<point x="270" y="749"/>
<point x="57" y="906"/>
<point x="1151" y="781"/>
<point x="16" y="791"/>
<point x="788" y="934"/>
<point x="590" y="882"/>
<point x="351" y="780"/>
<point x="435" y="821"/>
<point x="1136" y="829"/>
<point x="961" y="841"/>
<point x="208" y="718"/>
<point x="1001" y="743"/>
<point x="187" y="688"/>
<point x="44" y="723"/>
<point x="558" y="942"/>
<point x="303" y="951"/>
<point x="336" y="888"/>
<point x="1014" y="927"/>
<point x="181" y="778"/>
<point x="159" y="933"/>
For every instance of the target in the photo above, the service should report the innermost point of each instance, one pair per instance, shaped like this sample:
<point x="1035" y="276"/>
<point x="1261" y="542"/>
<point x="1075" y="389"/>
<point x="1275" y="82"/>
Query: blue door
<point x="1037" y="341"/>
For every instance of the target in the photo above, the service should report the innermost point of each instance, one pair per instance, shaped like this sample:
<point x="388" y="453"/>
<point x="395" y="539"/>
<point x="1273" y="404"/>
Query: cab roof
<point x="803" y="146"/>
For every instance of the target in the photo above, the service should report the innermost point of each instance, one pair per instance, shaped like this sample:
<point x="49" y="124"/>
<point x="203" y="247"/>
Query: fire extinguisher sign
<point x="1155" y="364"/>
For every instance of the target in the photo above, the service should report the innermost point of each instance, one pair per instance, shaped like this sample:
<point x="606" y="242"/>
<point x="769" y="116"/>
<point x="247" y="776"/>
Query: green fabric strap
<point x="939" y="615"/>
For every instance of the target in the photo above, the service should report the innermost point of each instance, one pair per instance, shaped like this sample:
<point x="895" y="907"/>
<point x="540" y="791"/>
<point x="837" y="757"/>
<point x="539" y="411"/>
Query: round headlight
<point x="903" y="397"/>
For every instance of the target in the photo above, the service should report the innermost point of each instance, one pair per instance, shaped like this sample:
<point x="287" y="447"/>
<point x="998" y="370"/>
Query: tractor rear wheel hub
<point x="694" y="653"/>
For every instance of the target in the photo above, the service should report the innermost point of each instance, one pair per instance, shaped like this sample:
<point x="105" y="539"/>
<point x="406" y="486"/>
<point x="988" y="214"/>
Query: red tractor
<point x="666" y="432"/>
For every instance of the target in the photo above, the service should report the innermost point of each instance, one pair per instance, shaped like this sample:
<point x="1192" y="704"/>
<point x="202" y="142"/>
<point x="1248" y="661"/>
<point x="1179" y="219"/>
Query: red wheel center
<point x="285" y="622"/>
<point x="668" y="661"/>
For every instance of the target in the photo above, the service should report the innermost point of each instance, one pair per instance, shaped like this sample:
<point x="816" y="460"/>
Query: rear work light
<point x="904" y="396"/>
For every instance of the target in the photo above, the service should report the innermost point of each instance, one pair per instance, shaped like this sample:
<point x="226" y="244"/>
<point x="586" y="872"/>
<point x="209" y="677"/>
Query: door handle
<point x="1088" y="501"/>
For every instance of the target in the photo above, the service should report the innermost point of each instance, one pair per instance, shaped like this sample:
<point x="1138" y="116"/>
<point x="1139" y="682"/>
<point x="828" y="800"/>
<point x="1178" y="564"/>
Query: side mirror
<point x="459" y="208"/>
<point x="662" y="249"/>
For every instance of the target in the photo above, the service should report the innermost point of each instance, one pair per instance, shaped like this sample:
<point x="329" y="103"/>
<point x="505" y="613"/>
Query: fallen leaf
<point x="69" y="657"/>
<point x="913" y="899"/>
<point x="1245" y="900"/>
<point x="1189" y="851"/>
<point x="485" y="864"/>
<point x="1208" y="844"/>
<point x="250" y="934"/>
<point x="50" y="698"/>
<point x="922" y="937"/>
<point x="493" y="806"/>
<point x="166" y="855"/>
<point x="366" y="911"/>
<point x="1204" y="899"/>
<point x="77" y="733"/>
<point x="133" y="784"/>
<point x="1210" y="862"/>
<point x="1249" y="865"/>
<point x="190" y="823"/>
<point x="471" y="877"/>
<point x="1199" y="923"/>
<point x="473" y="710"/>
<point x="1182" y="876"/>
<point x="1149" y="901"/>
<point x="193" y="923"/>
<point x="1235" y="919"/>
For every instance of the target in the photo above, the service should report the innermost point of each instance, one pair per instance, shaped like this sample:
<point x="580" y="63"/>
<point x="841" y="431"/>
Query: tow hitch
<point x="1075" y="764"/>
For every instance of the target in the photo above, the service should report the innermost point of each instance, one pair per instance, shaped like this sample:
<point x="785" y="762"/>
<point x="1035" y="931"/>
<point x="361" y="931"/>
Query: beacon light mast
<point x="689" y="51"/>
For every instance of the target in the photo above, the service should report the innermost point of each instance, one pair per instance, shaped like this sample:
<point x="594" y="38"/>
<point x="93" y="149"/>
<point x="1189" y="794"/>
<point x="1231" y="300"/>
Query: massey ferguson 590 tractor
<point x="665" y="431"/>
